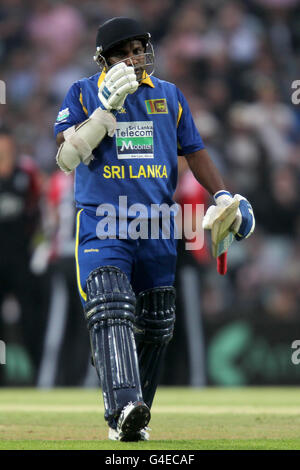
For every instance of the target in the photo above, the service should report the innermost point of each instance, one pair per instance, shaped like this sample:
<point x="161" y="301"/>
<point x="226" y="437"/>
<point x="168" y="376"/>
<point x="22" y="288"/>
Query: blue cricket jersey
<point x="140" y="161"/>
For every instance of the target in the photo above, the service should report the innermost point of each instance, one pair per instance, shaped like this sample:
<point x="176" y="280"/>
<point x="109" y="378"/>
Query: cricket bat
<point x="221" y="236"/>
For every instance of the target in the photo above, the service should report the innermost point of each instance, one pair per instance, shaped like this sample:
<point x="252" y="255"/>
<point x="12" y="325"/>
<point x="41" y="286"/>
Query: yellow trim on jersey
<point x="179" y="113"/>
<point x="101" y="77"/>
<point x="83" y="107"/>
<point x="82" y="293"/>
<point x="146" y="80"/>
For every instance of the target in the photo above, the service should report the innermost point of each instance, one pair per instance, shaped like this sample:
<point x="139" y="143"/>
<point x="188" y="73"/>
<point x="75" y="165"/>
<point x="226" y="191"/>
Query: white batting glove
<point x="244" y="223"/>
<point x="222" y="199"/>
<point x="119" y="81"/>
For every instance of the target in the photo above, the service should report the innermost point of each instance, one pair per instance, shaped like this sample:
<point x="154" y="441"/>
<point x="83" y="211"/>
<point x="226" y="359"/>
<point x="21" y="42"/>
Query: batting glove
<point x="119" y="81"/>
<point x="244" y="223"/>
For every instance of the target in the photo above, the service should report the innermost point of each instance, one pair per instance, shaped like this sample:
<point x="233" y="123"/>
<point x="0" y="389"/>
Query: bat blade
<point x="221" y="236"/>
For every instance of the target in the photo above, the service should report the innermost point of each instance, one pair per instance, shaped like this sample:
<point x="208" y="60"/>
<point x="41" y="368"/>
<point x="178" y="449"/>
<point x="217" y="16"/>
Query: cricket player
<point x="121" y="131"/>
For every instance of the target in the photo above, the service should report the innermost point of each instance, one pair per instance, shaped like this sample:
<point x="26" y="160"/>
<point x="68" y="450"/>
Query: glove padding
<point x="244" y="223"/>
<point x="80" y="142"/>
<point x="119" y="81"/>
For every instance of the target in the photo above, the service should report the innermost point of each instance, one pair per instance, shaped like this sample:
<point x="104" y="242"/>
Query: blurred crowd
<point x="235" y="61"/>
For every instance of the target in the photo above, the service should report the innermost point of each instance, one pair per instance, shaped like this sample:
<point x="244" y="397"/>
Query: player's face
<point x="130" y="52"/>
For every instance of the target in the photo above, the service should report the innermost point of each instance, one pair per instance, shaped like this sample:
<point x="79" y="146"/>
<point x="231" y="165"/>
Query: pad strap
<point x="110" y="296"/>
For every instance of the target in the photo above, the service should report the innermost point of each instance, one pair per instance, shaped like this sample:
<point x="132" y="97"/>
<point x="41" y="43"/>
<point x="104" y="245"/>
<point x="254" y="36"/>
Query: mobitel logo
<point x="136" y="144"/>
<point x="135" y="140"/>
<point x="2" y="352"/>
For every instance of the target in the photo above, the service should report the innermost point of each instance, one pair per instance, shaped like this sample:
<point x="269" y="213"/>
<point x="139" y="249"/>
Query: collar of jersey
<point x="145" y="81"/>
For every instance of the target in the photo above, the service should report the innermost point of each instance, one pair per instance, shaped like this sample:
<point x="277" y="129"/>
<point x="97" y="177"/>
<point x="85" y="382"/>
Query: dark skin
<point x="130" y="53"/>
<point x="199" y="162"/>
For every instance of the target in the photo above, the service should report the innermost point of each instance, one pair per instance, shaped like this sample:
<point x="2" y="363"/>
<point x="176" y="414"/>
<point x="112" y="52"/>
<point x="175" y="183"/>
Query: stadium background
<point x="235" y="62"/>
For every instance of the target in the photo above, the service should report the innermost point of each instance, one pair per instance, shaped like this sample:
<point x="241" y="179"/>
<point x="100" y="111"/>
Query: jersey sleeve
<point x="71" y="111"/>
<point x="188" y="137"/>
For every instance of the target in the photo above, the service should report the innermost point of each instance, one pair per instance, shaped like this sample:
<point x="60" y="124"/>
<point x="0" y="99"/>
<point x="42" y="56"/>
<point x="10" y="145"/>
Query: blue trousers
<point x="147" y="263"/>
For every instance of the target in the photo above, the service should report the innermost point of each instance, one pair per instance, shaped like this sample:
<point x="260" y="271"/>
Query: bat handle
<point x="222" y="263"/>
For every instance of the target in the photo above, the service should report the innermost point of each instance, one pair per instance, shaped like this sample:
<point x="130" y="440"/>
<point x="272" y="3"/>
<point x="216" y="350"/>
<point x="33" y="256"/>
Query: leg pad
<point x="154" y="325"/>
<point x="155" y="315"/>
<point x="109" y="313"/>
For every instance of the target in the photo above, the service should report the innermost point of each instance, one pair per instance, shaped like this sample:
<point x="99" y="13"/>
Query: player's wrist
<point x="107" y="107"/>
<point x="109" y="110"/>
<point x="104" y="106"/>
<point x="223" y="197"/>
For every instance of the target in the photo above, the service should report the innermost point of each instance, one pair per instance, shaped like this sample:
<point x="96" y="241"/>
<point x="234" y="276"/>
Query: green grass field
<point x="182" y="418"/>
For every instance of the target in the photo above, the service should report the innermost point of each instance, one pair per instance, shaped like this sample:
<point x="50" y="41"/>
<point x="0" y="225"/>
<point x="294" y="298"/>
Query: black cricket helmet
<point x="120" y="29"/>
